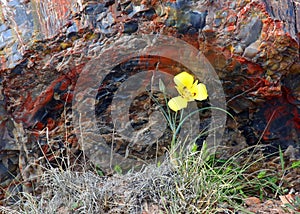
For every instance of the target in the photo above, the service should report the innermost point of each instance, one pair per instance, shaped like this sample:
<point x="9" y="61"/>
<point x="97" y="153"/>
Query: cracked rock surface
<point x="252" y="45"/>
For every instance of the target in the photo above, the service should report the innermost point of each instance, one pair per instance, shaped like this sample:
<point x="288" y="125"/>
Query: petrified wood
<point x="252" y="45"/>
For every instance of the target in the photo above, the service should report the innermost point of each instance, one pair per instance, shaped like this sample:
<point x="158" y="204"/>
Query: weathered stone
<point x="250" y="32"/>
<point x="252" y="50"/>
<point x="3" y="27"/>
<point x="7" y="35"/>
<point x="238" y="49"/>
<point x="251" y="201"/>
<point x="93" y="9"/>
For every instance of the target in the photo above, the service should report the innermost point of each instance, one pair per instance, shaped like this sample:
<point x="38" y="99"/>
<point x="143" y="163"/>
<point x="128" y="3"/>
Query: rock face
<point x="253" y="46"/>
<point x="288" y="12"/>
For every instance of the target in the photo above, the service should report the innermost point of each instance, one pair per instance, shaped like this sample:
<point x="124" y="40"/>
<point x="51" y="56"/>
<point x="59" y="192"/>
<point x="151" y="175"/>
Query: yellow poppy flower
<point x="188" y="89"/>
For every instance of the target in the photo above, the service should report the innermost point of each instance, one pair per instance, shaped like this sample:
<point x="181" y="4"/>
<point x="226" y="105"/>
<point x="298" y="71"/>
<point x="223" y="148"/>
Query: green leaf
<point x="261" y="174"/>
<point x="281" y="158"/>
<point x="194" y="148"/>
<point x="296" y="164"/>
<point x="273" y="180"/>
<point x="99" y="171"/>
<point x="158" y="164"/>
<point x="118" y="169"/>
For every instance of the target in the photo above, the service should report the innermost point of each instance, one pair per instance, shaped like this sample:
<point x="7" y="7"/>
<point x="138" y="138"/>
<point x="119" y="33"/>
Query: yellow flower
<point x="188" y="89"/>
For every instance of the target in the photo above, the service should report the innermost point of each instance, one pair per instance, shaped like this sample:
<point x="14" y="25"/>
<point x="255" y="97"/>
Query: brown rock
<point x="252" y="201"/>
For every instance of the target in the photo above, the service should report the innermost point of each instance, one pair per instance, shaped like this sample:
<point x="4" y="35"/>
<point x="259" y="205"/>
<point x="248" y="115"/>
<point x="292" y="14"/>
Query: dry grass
<point x="85" y="192"/>
<point x="190" y="184"/>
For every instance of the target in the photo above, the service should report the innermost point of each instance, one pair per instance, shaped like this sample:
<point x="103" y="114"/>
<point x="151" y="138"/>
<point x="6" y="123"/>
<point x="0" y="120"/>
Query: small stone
<point x="252" y="201"/>
<point x="238" y="49"/>
<point x="224" y="14"/>
<point x="72" y="29"/>
<point x="93" y="9"/>
<point x="252" y="50"/>
<point x="232" y="5"/>
<point x="231" y="20"/>
<point x="198" y="19"/>
<point x="217" y="22"/>
<point x="269" y="203"/>
<point x="274" y="67"/>
<point x="131" y="27"/>
<point x="13" y="3"/>
<point x="7" y="35"/>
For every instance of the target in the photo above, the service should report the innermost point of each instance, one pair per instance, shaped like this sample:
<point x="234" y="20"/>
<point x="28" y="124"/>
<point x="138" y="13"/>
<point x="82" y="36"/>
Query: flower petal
<point x="177" y="103"/>
<point x="199" y="91"/>
<point x="184" y="79"/>
<point x="180" y="90"/>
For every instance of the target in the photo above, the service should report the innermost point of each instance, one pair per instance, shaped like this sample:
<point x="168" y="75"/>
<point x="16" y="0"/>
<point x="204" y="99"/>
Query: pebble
<point x="252" y="201"/>
<point x="131" y="27"/>
<point x="217" y="22"/>
<point x="72" y="29"/>
<point x="274" y="67"/>
<point x="238" y="49"/>
<point x="252" y="50"/>
<point x="93" y="9"/>
<point x="13" y="3"/>
<point x="6" y="35"/>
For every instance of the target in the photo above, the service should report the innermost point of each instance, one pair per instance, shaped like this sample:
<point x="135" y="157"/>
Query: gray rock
<point x="250" y="32"/>
<point x="2" y="44"/>
<point x="238" y="49"/>
<point x="252" y="50"/>
<point x="6" y="35"/>
<point x="3" y="27"/>
<point x="13" y="3"/>
<point x="21" y="15"/>
<point x="72" y="29"/>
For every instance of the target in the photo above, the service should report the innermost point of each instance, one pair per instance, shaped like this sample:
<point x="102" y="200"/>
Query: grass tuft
<point x="193" y="183"/>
